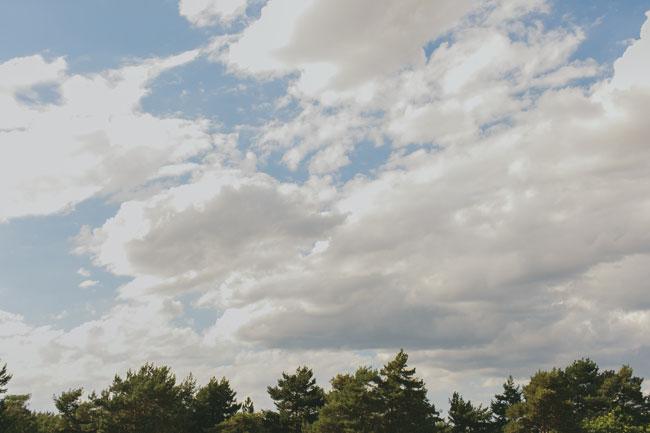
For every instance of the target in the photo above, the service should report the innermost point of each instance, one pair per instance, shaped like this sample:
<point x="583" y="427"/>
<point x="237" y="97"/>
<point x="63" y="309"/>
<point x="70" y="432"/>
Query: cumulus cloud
<point x="506" y="231"/>
<point x="93" y="139"/>
<point x="463" y="248"/>
<point x="483" y="72"/>
<point x="223" y="224"/>
<point x="371" y="39"/>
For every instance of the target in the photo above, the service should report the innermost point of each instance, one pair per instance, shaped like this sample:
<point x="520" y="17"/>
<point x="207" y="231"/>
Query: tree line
<point x="580" y="398"/>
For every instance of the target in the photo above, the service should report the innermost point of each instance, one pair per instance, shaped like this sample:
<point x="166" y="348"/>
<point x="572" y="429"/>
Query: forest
<point x="575" y="399"/>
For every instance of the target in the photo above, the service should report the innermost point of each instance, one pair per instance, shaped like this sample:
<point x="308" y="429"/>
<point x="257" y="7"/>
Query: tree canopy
<point x="580" y="398"/>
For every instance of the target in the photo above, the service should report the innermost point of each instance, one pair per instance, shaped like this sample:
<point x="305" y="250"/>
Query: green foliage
<point x="403" y="399"/>
<point x="248" y="406"/>
<point x="17" y="417"/>
<point x="464" y="417"/>
<point x="546" y="407"/>
<point x="580" y="398"/>
<point x="353" y="405"/>
<point x="510" y="396"/>
<point x="5" y="377"/>
<point x="298" y="399"/>
<point x="47" y="422"/>
<point x="146" y="401"/>
<point x="614" y="422"/>
<point x="622" y="393"/>
<point x="244" y="422"/>
<point x="213" y="404"/>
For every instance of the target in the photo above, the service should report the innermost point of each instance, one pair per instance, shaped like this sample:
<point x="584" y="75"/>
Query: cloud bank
<point x="506" y="230"/>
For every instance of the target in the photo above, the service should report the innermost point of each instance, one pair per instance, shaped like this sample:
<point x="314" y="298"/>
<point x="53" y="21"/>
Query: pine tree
<point x="5" y="377"/>
<point x="298" y="399"/>
<point x="248" y="406"/>
<point x="18" y="418"/>
<point x="214" y="403"/>
<point x="464" y="417"/>
<point x="353" y="404"/>
<point x="146" y="401"/>
<point x="403" y="399"/>
<point x="510" y="396"/>
<point x="546" y="406"/>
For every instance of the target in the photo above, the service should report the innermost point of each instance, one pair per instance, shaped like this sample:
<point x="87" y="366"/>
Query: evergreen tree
<point x="18" y="419"/>
<point x="244" y="422"/>
<point x="146" y="401"/>
<point x="464" y="417"/>
<point x="214" y="403"/>
<point x="298" y="399"/>
<point x="510" y="396"/>
<point x="546" y="407"/>
<point x="614" y="422"/>
<point x="47" y="422"/>
<point x="403" y="399"/>
<point x="5" y="377"/>
<point x="583" y="380"/>
<point x="622" y="394"/>
<point x="68" y="404"/>
<point x="353" y="405"/>
<point x="248" y="406"/>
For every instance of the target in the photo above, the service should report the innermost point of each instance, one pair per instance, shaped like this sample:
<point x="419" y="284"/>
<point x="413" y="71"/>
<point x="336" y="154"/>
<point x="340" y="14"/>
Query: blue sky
<point x="262" y="179"/>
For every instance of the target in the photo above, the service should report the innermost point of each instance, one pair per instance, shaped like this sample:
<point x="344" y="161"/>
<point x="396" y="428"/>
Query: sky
<point x="239" y="187"/>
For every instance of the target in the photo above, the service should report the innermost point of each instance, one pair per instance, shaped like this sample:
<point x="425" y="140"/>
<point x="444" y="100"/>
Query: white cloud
<point x="83" y="272"/>
<point x="371" y="39"/>
<point x="519" y="241"/>
<point x="204" y="13"/>
<point x="225" y="223"/>
<point x="633" y="68"/>
<point x="85" y="284"/>
<point x="56" y="154"/>
<point x="454" y="251"/>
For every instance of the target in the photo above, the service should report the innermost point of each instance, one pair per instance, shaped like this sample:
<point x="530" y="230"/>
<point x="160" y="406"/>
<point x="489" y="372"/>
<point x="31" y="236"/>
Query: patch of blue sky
<point x="197" y="318"/>
<point x="38" y="272"/>
<point x="608" y="25"/>
<point x="42" y="94"/>
<point x="95" y="35"/>
<point x="206" y="89"/>
<point x="275" y="167"/>
<point x="365" y="159"/>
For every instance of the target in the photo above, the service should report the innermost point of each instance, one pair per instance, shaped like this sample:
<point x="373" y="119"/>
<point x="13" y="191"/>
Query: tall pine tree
<point x="403" y="398"/>
<point x="353" y="405"/>
<point x="464" y="417"/>
<point x="510" y="396"/>
<point x="298" y="399"/>
<point x="213" y="404"/>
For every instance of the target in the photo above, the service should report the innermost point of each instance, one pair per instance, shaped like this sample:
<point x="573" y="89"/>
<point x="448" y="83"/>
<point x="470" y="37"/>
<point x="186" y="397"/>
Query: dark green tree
<point x="17" y="417"/>
<point x="5" y="377"/>
<point x="464" y="417"/>
<point x="353" y="405"/>
<point x="583" y="380"/>
<point x="546" y="406"/>
<point x="298" y="399"/>
<point x="147" y="401"/>
<point x="622" y="394"/>
<point x="47" y="422"/>
<point x="214" y="403"/>
<point x="614" y="422"/>
<point x="68" y="404"/>
<point x="403" y="398"/>
<point x="248" y="406"/>
<point x="244" y="422"/>
<point x="510" y="396"/>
